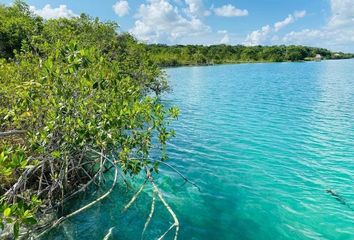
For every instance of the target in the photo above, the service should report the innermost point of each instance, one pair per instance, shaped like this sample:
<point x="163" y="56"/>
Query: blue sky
<point x="324" y="23"/>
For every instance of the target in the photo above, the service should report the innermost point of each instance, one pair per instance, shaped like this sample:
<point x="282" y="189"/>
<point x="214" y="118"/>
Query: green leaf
<point x="7" y="172"/>
<point x="7" y="212"/>
<point x="24" y="163"/>
<point x="2" y="157"/>
<point x="16" y="229"/>
<point x="56" y="154"/>
<point x="29" y="221"/>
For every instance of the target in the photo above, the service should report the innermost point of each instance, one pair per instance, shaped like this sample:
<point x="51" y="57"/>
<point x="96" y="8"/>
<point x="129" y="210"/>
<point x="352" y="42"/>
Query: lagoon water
<point x="264" y="142"/>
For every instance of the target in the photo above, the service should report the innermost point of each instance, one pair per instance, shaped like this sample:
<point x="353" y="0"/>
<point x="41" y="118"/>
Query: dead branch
<point x="11" y="133"/>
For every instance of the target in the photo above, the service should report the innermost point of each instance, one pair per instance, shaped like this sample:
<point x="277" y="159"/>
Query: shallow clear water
<point x="264" y="142"/>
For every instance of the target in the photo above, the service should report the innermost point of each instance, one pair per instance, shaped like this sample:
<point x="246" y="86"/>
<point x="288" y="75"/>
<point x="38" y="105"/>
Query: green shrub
<point x="75" y="87"/>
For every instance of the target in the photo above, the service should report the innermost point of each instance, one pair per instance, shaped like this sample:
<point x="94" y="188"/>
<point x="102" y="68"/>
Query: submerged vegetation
<point x="76" y="99"/>
<point x="170" y="56"/>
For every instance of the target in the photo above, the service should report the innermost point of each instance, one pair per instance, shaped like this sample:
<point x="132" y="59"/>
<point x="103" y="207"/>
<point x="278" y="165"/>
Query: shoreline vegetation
<point x="79" y="101"/>
<point x="199" y="55"/>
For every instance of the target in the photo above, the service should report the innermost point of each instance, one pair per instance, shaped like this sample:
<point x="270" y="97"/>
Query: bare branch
<point x="109" y="234"/>
<point x="180" y="174"/>
<point x="11" y="132"/>
<point x="113" y="164"/>
<point x="169" y="209"/>
<point x="135" y="196"/>
<point x="60" y="220"/>
<point x="152" y="210"/>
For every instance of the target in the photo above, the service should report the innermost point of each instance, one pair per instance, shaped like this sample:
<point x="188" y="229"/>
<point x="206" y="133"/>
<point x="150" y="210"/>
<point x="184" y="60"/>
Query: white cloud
<point x="337" y="34"/>
<point x="225" y="39"/>
<point x="158" y="20"/>
<point x="230" y="11"/>
<point x="263" y="35"/>
<point x="290" y="19"/>
<point x="258" y="36"/>
<point x="121" y="8"/>
<point x="285" y="22"/>
<point x="47" y="12"/>
<point x="342" y="13"/>
<point x="196" y="8"/>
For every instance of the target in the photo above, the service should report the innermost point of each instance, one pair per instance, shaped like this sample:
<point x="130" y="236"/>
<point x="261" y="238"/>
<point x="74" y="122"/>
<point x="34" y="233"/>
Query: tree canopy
<point x="165" y="55"/>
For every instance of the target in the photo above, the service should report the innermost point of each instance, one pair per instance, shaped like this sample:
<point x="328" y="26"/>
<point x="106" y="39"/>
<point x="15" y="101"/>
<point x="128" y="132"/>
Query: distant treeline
<point x="179" y="55"/>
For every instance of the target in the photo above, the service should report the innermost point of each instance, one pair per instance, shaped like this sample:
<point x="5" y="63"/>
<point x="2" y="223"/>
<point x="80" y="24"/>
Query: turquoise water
<point x="264" y="142"/>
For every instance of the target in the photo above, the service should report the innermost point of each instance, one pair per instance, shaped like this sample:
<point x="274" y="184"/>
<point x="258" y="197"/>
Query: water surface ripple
<point x="264" y="142"/>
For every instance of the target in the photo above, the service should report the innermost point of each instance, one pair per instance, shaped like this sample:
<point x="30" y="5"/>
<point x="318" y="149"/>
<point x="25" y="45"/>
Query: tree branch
<point x="11" y="132"/>
<point x="180" y="174"/>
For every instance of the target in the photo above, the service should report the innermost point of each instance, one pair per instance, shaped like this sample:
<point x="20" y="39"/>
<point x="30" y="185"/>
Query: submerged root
<point x="152" y="210"/>
<point x="62" y="219"/>
<point x="102" y="161"/>
<point x="157" y="192"/>
<point x="180" y="174"/>
<point x="109" y="234"/>
<point x="134" y="197"/>
<point x="169" y="209"/>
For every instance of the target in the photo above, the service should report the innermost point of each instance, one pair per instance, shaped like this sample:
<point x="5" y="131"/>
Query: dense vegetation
<point x="217" y="54"/>
<point x="76" y="99"/>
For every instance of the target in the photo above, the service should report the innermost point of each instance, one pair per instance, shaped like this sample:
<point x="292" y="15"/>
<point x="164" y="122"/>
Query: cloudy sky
<point x="324" y="23"/>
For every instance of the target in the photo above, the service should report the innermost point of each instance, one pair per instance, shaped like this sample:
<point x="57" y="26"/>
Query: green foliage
<point x="75" y="85"/>
<point x="21" y="213"/>
<point x="17" y="27"/>
<point x="217" y="54"/>
<point x="12" y="162"/>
